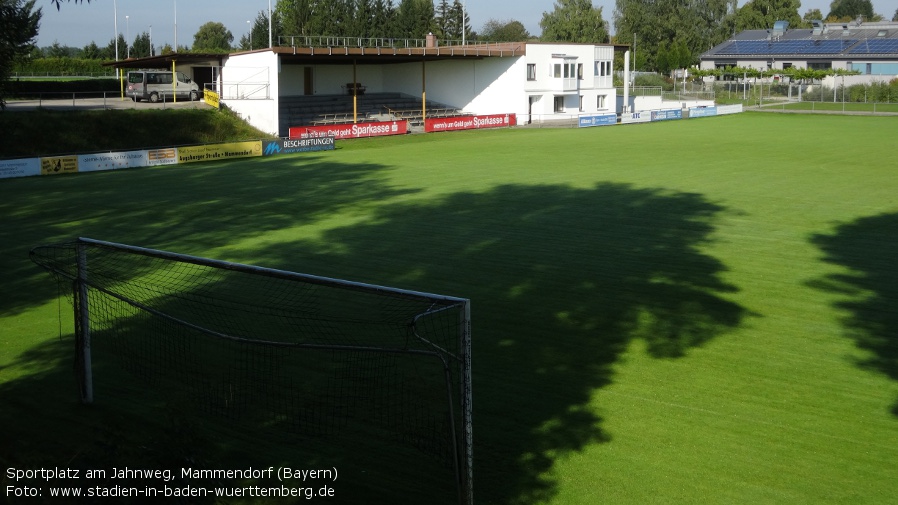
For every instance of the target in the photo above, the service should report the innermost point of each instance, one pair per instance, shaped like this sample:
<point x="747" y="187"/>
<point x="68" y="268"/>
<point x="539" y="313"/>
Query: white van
<point x="156" y="85"/>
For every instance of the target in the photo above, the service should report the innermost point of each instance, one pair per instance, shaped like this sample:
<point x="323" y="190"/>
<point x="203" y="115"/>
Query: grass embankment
<point x="43" y="132"/>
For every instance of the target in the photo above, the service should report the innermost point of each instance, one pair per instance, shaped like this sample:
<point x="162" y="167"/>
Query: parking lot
<point x="108" y="102"/>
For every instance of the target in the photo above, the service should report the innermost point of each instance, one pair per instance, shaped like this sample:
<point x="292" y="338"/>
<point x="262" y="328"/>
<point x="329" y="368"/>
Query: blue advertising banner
<point x="290" y="146"/>
<point x="602" y="120"/>
<point x="664" y="115"/>
<point x="702" y="112"/>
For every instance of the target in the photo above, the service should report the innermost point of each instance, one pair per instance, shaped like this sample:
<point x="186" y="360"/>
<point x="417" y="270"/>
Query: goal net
<point x="309" y="355"/>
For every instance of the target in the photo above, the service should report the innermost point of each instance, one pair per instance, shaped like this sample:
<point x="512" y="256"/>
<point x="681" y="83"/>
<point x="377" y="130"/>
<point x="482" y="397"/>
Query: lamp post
<point x="250" y="34"/>
<point x="115" y="15"/>
<point x="128" y="35"/>
<point x="151" y="41"/>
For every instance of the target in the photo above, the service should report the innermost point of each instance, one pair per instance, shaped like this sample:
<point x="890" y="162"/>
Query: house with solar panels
<point x="871" y="49"/>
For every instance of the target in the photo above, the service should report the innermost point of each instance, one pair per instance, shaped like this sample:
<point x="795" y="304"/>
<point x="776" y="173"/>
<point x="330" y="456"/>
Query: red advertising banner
<point x="445" y="124"/>
<point x="350" y="131"/>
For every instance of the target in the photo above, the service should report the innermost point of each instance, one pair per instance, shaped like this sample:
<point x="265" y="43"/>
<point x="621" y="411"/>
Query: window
<point x="580" y="71"/>
<point x="557" y="70"/>
<point x="531" y="71"/>
<point x="567" y="71"/>
<point x="559" y="104"/>
<point x="581" y="103"/>
<point x="600" y="67"/>
<point x="600" y="102"/>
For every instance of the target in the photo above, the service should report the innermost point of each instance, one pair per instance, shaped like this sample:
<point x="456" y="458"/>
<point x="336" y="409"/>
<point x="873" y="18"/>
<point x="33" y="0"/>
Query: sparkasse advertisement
<point x="350" y="131"/>
<point x="445" y="124"/>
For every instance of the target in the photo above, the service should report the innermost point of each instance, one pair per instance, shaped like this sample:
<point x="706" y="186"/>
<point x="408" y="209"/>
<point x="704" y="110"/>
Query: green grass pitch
<point x="701" y="311"/>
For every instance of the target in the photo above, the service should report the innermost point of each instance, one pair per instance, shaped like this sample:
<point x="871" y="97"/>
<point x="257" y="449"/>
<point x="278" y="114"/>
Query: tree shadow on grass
<point x="188" y="208"/>
<point x="868" y="248"/>
<point x="562" y="280"/>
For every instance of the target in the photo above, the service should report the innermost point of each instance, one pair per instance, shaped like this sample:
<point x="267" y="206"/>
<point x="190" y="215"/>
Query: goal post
<point x="317" y="356"/>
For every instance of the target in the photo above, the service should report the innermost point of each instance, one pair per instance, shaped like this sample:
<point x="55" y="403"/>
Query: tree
<point x="504" y="31"/>
<point x="761" y="14"/>
<point x="57" y="2"/>
<point x="293" y="17"/>
<point x="461" y="22"/>
<point x="91" y="51"/>
<point x="446" y="26"/>
<point x="257" y="38"/>
<point x="56" y="50"/>
<point x="382" y="15"/>
<point x="699" y="24"/>
<point x="895" y="16"/>
<point x="811" y="15"/>
<point x="141" y="46"/>
<point x="415" y="18"/>
<point x="574" y="21"/>
<point x="19" y="22"/>
<point x="851" y="9"/>
<point x="108" y="52"/>
<point x="213" y="37"/>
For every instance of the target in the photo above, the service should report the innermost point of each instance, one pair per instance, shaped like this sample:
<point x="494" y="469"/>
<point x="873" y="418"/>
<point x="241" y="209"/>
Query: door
<point x="308" y="88"/>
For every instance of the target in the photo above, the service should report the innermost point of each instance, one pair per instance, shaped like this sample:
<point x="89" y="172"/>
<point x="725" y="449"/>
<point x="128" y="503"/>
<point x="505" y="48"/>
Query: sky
<point x="77" y="25"/>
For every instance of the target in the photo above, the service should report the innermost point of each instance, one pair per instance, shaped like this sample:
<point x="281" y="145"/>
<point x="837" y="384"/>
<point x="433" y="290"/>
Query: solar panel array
<point x="876" y="46"/>
<point x="806" y="46"/>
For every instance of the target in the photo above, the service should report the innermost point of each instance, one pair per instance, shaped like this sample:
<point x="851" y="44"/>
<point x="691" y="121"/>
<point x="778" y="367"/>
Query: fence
<point x="761" y="93"/>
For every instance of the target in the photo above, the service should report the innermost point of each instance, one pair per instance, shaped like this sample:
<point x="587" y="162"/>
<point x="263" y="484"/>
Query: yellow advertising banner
<point x="215" y="152"/>
<point x="211" y="98"/>
<point x="59" y="165"/>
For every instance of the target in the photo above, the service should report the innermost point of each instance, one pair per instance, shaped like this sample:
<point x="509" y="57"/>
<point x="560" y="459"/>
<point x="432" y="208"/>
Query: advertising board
<point x="20" y="168"/>
<point x="600" y="120"/>
<point x="635" y="117"/>
<point x="59" y="165"/>
<point x="666" y="115"/>
<point x="290" y="146"/>
<point x="111" y="161"/>
<point x="445" y="124"/>
<point x="226" y="151"/>
<point x="702" y="112"/>
<point x="350" y="131"/>
<point x="729" y="109"/>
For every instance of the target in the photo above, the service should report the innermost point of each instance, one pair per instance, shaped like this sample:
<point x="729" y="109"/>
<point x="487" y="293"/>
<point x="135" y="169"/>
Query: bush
<point x="63" y="67"/>
<point x="649" y="80"/>
<point x="28" y="89"/>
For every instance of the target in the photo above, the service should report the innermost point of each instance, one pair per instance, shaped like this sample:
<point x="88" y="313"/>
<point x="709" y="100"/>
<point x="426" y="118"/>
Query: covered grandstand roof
<point x="824" y="40"/>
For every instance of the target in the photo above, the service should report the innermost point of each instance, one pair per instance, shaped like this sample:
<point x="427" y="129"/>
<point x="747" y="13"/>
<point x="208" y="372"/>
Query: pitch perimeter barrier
<point x="456" y="123"/>
<point x="290" y="146"/>
<point x="588" y="121"/>
<point x="729" y="109"/>
<point x="635" y="117"/>
<point x="667" y="115"/>
<point x="702" y="112"/>
<point x="350" y="131"/>
<point x="97" y="162"/>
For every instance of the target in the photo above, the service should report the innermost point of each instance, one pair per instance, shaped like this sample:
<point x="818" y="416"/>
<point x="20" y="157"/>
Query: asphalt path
<point x="105" y="103"/>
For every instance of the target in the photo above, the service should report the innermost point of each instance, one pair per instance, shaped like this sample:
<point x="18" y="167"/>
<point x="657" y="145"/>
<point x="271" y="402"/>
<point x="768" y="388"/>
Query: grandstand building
<point x="868" y="48"/>
<point x="316" y="80"/>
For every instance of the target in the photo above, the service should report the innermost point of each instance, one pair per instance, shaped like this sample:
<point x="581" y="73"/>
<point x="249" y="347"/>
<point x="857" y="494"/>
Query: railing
<point x="47" y="75"/>
<point x="679" y="96"/>
<point x="642" y="91"/>
<point x="395" y="43"/>
<point x="245" y="91"/>
<point x="91" y="100"/>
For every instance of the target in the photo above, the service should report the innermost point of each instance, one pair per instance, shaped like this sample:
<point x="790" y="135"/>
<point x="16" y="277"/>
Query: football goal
<point x="318" y="357"/>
